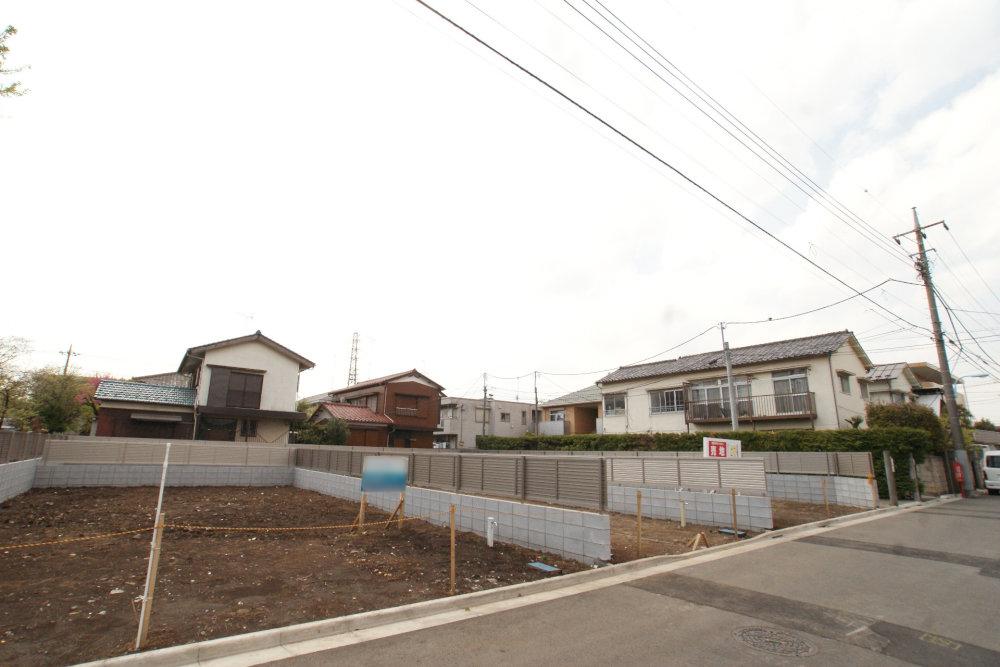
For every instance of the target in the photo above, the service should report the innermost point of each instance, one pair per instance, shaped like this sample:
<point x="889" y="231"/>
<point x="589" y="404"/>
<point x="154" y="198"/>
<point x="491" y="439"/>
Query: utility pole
<point x="924" y="269"/>
<point x="535" y="416"/>
<point x="69" y="353"/>
<point x="352" y="373"/>
<point x="484" y="404"/>
<point x="734" y="420"/>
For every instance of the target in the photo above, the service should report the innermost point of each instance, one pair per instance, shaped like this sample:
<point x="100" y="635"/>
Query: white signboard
<point x="720" y="448"/>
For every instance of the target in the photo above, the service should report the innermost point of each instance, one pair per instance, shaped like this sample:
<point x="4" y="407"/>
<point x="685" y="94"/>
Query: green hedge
<point x="900" y="441"/>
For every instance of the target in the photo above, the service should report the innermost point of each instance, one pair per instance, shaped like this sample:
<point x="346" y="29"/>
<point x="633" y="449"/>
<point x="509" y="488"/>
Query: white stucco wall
<point x="281" y="373"/>
<point x="832" y="406"/>
<point x="465" y="427"/>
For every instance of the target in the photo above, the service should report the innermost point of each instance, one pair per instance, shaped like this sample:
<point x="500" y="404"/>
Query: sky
<point x="187" y="172"/>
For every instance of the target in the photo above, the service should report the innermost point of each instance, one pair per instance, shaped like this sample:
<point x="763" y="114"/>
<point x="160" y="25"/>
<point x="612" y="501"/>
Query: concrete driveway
<point x="919" y="587"/>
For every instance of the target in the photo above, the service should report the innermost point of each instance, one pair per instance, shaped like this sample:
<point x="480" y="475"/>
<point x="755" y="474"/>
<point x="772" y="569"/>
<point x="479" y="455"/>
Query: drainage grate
<point x="775" y="641"/>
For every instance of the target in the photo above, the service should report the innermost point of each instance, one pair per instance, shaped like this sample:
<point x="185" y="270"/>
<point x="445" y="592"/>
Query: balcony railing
<point x="754" y="408"/>
<point x="407" y="412"/>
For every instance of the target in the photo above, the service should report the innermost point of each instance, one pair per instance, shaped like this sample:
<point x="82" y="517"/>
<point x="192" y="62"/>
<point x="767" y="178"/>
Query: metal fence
<point x="848" y="464"/>
<point x="21" y="445"/>
<point x="575" y="482"/>
<point x="745" y="475"/>
<point x="140" y="451"/>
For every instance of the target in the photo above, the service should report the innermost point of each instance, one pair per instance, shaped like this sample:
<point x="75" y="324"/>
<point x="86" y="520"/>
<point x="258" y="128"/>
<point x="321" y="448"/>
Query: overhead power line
<point x="703" y="189"/>
<point x="763" y="151"/>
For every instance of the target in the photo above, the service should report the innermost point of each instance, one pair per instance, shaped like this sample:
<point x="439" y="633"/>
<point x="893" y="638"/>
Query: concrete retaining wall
<point x="574" y="534"/>
<point x="96" y="474"/>
<point x="849" y="491"/>
<point x="709" y="509"/>
<point x="17" y="478"/>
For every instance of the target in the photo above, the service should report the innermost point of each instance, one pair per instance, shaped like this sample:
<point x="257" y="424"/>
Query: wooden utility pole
<point x="734" y="420"/>
<point x="924" y="270"/>
<point x="69" y="353"/>
<point x="536" y="417"/>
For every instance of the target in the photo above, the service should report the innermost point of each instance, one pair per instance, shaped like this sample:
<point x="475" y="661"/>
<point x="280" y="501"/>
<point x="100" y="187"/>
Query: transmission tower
<point x="352" y="374"/>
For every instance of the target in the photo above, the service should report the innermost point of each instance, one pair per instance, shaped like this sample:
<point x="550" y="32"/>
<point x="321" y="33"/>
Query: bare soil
<point x="667" y="537"/>
<point x="74" y="602"/>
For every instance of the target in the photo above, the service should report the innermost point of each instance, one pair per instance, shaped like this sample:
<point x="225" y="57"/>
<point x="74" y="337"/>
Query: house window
<point x="666" y="400"/>
<point x="709" y="399"/>
<point x="614" y="404"/>
<point x="248" y="428"/>
<point x="791" y="391"/>
<point x="505" y="417"/>
<point x="557" y="415"/>
<point x="845" y="382"/>
<point x="447" y="412"/>
<point x="535" y="416"/>
<point x="483" y="415"/>
<point x="524" y="417"/>
<point x="244" y="390"/>
<point x="863" y="386"/>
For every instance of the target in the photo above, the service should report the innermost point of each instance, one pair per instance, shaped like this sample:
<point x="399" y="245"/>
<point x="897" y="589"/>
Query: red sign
<point x="718" y="449"/>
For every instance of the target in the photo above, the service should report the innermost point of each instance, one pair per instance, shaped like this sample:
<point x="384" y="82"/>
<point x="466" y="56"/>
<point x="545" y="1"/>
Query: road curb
<point x="214" y="649"/>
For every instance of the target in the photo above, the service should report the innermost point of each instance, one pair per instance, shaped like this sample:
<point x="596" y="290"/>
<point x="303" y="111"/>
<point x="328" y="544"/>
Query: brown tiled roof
<point x="374" y="382"/>
<point x="794" y="348"/>
<point x="357" y="414"/>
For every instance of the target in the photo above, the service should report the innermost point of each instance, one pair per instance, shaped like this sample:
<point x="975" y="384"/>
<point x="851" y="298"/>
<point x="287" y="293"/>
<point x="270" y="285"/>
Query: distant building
<point x="399" y="410"/>
<point x="903" y="382"/>
<point x="241" y="389"/>
<point x="578" y="412"/>
<point x="811" y="382"/>
<point x="462" y="419"/>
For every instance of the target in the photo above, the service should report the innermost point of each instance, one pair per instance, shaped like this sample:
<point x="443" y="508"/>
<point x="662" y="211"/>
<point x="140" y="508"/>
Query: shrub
<point x="329" y="432"/>
<point x="907" y="415"/>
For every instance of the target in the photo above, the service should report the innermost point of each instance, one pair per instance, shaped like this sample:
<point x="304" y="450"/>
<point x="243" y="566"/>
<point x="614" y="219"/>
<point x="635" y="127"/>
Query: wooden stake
<point x="360" y="519"/>
<point x="147" y="599"/>
<point x="638" y="524"/>
<point x="704" y="538"/>
<point x="402" y="509"/>
<point x="683" y="514"/>
<point x="451" y="521"/>
<point x="397" y="515"/>
<point x="732" y="502"/>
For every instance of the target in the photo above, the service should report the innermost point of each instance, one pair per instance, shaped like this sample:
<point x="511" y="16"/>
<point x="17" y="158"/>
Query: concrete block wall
<point x="709" y="509"/>
<point x="17" y="478"/>
<point x="578" y="535"/>
<point x="849" y="491"/>
<point x="111" y="474"/>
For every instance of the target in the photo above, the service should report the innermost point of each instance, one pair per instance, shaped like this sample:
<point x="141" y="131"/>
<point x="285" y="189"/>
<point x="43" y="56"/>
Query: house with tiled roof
<point x="577" y="412"/>
<point x="240" y="389"/>
<point x="398" y="410"/>
<point x="809" y="382"/>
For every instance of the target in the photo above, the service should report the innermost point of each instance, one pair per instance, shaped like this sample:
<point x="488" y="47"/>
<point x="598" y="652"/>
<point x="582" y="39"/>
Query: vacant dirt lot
<point x="667" y="537"/>
<point x="74" y="602"/>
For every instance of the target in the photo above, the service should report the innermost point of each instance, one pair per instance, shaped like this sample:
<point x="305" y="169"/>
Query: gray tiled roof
<point x="982" y="437"/>
<point x="140" y="392"/>
<point x="591" y="394"/>
<point x="885" y="372"/>
<point x="795" y="348"/>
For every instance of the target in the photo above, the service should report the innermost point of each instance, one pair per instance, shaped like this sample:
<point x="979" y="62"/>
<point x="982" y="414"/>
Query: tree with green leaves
<point x="59" y="402"/>
<point x="12" y="88"/>
<point x="984" y="424"/>
<point x="906" y="414"/>
<point x="328" y="432"/>
<point x="13" y="379"/>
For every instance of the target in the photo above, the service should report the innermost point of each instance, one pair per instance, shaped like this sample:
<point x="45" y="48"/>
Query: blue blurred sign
<point x="384" y="473"/>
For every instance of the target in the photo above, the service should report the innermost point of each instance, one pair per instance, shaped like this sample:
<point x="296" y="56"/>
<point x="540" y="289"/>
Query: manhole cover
<point x="775" y="641"/>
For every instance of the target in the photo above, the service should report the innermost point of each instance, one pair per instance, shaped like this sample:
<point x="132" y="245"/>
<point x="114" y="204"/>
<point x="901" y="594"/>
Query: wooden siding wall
<point x="118" y="423"/>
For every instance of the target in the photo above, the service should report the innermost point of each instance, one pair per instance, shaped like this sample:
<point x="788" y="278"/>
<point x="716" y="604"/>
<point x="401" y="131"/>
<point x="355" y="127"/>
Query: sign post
<point x="721" y="448"/>
<point x="380" y="474"/>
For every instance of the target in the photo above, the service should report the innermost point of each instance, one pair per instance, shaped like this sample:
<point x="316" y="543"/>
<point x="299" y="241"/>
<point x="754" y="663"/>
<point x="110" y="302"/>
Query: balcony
<point x="753" y="408"/>
<point x="407" y="412"/>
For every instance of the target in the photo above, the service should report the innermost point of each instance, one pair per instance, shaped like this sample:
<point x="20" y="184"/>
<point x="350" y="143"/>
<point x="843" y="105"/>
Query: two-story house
<point x="812" y="382"/>
<point x="575" y="413"/>
<point x="242" y="389"/>
<point x="904" y="382"/>
<point x="399" y="410"/>
<point x="462" y="419"/>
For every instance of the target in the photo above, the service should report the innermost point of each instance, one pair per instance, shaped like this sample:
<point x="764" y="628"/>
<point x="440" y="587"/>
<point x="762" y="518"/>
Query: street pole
<point x="69" y="353"/>
<point x="484" y="404"/>
<point x="734" y="420"/>
<point x="535" y="418"/>
<point x="923" y="268"/>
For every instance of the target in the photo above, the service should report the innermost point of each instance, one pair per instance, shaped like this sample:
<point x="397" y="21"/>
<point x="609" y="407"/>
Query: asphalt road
<point x="914" y="588"/>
